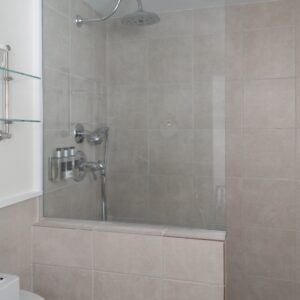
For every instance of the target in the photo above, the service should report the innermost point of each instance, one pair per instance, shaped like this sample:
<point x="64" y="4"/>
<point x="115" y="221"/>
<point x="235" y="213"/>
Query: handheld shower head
<point x="98" y="136"/>
<point x="94" y="138"/>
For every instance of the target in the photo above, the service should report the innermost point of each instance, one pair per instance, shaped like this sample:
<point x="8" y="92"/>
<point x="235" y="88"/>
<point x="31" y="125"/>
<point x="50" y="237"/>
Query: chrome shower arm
<point x="79" y="20"/>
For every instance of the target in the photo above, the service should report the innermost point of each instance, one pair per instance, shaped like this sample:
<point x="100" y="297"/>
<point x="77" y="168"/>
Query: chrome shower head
<point x="140" y="17"/>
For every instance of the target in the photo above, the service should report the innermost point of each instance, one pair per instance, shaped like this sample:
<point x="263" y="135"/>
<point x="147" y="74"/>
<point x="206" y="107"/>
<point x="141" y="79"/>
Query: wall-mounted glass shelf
<point x="2" y="69"/>
<point x="10" y="121"/>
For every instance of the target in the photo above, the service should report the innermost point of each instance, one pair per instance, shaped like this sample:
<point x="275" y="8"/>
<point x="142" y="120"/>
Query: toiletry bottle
<point x="64" y="163"/>
<point x="71" y="162"/>
<point x="57" y="163"/>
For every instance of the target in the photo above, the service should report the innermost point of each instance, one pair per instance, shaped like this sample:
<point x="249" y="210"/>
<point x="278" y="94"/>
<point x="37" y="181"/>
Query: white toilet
<point x="10" y="289"/>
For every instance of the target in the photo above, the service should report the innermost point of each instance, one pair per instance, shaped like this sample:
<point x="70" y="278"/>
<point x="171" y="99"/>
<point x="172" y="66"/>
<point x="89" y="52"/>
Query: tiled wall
<point x="262" y="120"/>
<point x="94" y="264"/>
<point x="73" y="73"/>
<point x="166" y="95"/>
<point x="15" y="240"/>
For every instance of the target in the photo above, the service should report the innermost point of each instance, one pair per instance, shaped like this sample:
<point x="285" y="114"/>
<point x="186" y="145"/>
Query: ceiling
<point x="127" y="6"/>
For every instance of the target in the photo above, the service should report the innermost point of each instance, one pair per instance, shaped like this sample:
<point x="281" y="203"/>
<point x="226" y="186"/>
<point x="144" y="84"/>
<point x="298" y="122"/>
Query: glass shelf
<point x="10" y="121"/>
<point x="2" y="69"/>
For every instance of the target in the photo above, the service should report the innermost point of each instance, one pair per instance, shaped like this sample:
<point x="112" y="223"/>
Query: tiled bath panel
<point x="117" y="261"/>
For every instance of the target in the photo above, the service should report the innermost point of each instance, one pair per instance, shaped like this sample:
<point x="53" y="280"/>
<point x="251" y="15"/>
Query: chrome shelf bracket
<point x="5" y="132"/>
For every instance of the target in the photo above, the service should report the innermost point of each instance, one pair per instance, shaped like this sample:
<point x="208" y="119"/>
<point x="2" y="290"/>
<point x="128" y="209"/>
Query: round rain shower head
<point x="140" y="18"/>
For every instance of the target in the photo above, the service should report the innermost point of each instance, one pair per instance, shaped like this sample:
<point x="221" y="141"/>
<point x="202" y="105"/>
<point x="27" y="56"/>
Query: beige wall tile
<point x="269" y="203"/>
<point x="234" y="55"/>
<point x="56" y="43"/>
<point x="234" y="153"/>
<point x="127" y="107"/>
<point x="270" y="253"/>
<point x="193" y="260"/>
<point x="209" y="21"/>
<point x="269" y="53"/>
<point x="170" y="105"/>
<point x="127" y="62"/>
<point x="171" y="151"/>
<point x="234" y="104"/>
<point x="297" y="46"/>
<point x="172" y="24"/>
<point x="15" y="236"/>
<point x="177" y="290"/>
<point x="234" y="253"/>
<point x="269" y="104"/>
<point x="60" y="5"/>
<point x="209" y="103"/>
<point x="55" y="283"/>
<point x="128" y="151"/>
<point x="170" y="60"/>
<point x="209" y="56"/>
<point x="126" y="253"/>
<point x="297" y="109"/>
<point x="126" y="202"/>
<point x="269" y="153"/>
<point x="64" y="247"/>
<point x="109" y="286"/>
<point x="261" y="289"/>
<point x="171" y="199"/>
<point x="234" y="200"/>
<point x="56" y="100"/>
<point x="298" y="257"/>
<point x="273" y="14"/>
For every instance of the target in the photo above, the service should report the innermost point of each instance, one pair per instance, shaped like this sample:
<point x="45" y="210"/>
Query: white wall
<point x="20" y="157"/>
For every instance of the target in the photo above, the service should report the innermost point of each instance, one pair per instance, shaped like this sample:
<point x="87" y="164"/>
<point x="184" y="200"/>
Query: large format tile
<point x="269" y="203"/>
<point x="170" y="105"/>
<point x="269" y="53"/>
<point x="171" y="151"/>
<point x="269" y="153"/>
<point x="128" y="151"/>
<point x="270" y="253"/>
<point x="234" y="104"/>
<point x="261" y="15"/>
<point x="61" y="6"/>
<point x="59" y="283"/>
<point x="56" y="32"/>
<point x="194" y="260"/>
<point x="262" y="289"/>
<point x="269" y="103"/>
<point x="110" y="286"/>
<point x="126" y="62"/>
<point x="234" y="153"/>
<point x="170" y="60"/>
<point x="171" y="200"/>
<point x="234" y="200"/>
<point x="127" y="107"/>
<point x="128" y="196"/>
<point x="127" y="253"/>
<point x="209" y="21"/>
<point x="177" y="290"/>
<point x="209" y="104"/>
<point x="56" y="100"/>
<point x="64" y="247"/>
<point x="209" y="57"/>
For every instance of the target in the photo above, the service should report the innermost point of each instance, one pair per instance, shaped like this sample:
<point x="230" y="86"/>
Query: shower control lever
<point x="95" y="166"/>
